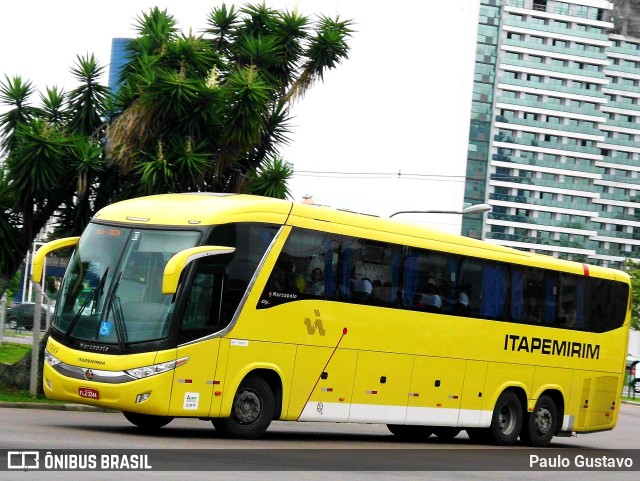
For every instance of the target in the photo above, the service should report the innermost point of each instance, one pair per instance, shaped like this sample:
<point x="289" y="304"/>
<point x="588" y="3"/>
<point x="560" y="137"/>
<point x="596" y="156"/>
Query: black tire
<point x="252" y="410"/>
<point x="636" y="385"/>
<point x="506" y="422"/>
<point x="541" y="424"/>
<point x="410" y="433"/>
<point x="446" y="433"/>
<point x="147" y="421"/>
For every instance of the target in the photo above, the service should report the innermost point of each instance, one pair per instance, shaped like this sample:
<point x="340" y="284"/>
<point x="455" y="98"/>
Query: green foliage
<point x="634" y="272"/>
<point x="270" y="179"/>
<point x="202" y="112"/>
<point x="53" y="159"/>
<point x="220" y="99"/>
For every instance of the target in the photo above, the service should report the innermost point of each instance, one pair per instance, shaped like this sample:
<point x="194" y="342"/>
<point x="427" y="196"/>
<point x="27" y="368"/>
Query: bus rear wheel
<point x="147" y="421"/>
<point x="410" y="433"/>
<point x="541" y="424"/>
<point x="506" y="422"/>
<point x="252" y="410"/>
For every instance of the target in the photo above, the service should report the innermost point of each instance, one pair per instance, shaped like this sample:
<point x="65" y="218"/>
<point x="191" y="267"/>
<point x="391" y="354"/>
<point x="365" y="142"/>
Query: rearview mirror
<point x="178" y="262"/>
<point x="38" y="259"/>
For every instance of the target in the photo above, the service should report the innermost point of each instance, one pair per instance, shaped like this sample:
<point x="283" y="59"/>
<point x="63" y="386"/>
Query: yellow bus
<point x="241" y="310"/>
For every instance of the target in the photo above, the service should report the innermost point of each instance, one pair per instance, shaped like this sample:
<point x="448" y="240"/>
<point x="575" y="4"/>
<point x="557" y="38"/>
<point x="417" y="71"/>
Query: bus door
<point x="203" y="313"/>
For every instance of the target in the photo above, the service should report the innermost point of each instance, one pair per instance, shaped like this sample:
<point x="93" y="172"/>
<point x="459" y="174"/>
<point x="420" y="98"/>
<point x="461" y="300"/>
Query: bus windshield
<point x="112" y="290"/>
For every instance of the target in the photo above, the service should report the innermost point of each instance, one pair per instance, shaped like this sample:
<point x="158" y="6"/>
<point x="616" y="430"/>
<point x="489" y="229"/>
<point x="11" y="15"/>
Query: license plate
<point x="88" y="392"/>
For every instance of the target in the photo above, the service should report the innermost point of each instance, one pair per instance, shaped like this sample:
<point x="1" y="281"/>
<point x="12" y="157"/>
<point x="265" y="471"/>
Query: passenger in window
<point x="361" y="289"/>
<point x="430" y="300"/>
<point x="463" y="303"/>
<point x="316" y="285"/>
<point x="284" y="279"/>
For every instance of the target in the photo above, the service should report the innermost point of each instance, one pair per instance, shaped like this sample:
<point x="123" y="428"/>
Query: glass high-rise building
<point x="118" y="61"/>
<point x="554" y="138"/>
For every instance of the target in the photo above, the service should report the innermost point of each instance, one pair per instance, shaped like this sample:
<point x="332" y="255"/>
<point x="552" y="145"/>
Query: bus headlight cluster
<point x="50" y="358"/>
<point x="146" y="371"/>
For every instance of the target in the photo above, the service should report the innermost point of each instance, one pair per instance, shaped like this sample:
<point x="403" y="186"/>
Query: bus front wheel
<point x="147" y="421"/>
<point x="252" y="410"/>
<point x="506" y="422"/>
<point x="541" y="424"/>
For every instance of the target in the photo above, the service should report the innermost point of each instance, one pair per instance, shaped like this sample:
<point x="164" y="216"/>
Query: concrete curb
<point x="54" y="407"/>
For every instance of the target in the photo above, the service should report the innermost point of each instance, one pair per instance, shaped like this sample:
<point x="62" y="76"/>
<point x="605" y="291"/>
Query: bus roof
<point x="202" y="209"/>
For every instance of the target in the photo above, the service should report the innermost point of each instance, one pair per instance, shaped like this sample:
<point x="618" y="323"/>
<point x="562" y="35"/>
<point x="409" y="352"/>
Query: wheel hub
<point x="543" y="420"/>
<point x="507" y="419"/>
<point x="248" y="407"/>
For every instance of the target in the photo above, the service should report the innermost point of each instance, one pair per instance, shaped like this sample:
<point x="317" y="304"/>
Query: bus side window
<point x="206" y="310"/>
<point x="306" y="268"/>
<point x="471" y="284"/>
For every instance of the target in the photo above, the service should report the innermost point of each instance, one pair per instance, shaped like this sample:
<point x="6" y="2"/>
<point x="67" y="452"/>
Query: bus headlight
<point x="50" y="358"/>
<point x="146" y="371"/>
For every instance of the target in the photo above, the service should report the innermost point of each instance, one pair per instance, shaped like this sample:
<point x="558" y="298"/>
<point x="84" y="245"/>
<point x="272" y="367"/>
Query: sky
<point x="385" y="131"/>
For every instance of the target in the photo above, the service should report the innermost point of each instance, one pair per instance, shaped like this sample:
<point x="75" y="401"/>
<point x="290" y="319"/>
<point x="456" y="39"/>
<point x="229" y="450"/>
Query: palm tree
<point x="52" y="161"/>
<point x="204" y="113"/>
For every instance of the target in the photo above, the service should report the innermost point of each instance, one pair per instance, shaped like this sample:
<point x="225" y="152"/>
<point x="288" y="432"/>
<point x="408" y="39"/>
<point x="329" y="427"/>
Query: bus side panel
<point x="501" y="376"/>
<point x="220" y="378"/>
<point x="597" y="400"/>
<point x="475" y="377"/>
<point x="193" y="382"/>
<point x="249" y="355"/>
<point x="436" y="391"/>
<point x="381" y="388"/>
<point x="551" y="378"/>
<point x="318" y="395"/>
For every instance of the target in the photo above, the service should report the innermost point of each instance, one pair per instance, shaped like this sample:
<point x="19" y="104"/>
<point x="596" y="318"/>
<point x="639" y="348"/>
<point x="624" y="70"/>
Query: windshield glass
<point x="112" y="291"/>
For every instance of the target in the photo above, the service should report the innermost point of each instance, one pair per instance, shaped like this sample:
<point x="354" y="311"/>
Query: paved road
<point x="40" y="429"/>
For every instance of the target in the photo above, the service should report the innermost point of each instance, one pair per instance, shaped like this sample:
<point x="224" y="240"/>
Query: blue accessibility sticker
<point x="105" y="328"/>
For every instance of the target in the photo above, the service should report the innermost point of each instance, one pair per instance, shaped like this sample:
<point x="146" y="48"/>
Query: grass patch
<point x="11" y="353"/>
<point x="10" y="396"/>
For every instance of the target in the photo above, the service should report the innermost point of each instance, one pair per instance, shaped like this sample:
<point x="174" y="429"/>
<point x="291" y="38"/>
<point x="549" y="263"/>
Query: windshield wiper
<point x="114" y="302"/>
<point x="94" y="292"/>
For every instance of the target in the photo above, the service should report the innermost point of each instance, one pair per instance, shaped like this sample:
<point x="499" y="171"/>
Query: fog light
<point x="49" y="385"/>
<point x="140" y="398"/>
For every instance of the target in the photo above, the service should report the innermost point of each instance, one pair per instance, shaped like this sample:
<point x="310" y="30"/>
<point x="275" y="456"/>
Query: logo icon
<point x="88" y="374"/>
<point x="316" y="326"/>
<point x="23" y="460"/>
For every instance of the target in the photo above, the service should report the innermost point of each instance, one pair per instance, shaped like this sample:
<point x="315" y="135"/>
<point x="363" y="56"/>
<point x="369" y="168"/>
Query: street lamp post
<point x="472" y="209"/>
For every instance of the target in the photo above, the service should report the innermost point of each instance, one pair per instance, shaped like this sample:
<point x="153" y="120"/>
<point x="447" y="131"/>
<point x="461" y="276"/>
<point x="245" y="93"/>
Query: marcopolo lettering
<point x="551" y="347"/>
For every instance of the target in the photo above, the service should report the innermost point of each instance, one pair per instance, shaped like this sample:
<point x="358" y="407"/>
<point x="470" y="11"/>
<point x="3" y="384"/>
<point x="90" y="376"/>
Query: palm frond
<point x="270" y="179"/>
